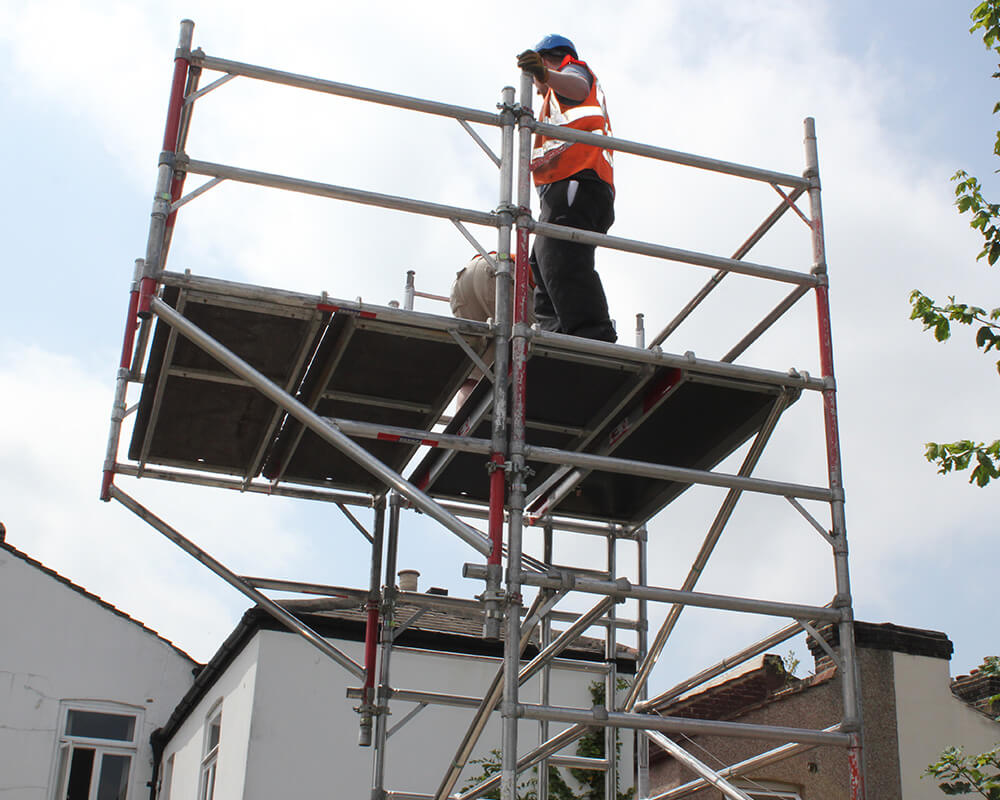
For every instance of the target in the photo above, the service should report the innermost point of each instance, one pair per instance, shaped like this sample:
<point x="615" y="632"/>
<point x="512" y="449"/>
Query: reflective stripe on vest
<point x="553" y="159"/>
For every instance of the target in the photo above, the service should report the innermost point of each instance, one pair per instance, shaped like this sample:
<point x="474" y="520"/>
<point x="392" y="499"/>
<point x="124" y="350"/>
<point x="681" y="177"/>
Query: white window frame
<point x="66" y="744"/>
<point x="210" y="755"/>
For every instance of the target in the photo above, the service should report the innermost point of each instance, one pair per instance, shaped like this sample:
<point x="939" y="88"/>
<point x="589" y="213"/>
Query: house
<point x="269" y="715"/>
<point x="912" y="711"/>
<point x="84" y="687"/>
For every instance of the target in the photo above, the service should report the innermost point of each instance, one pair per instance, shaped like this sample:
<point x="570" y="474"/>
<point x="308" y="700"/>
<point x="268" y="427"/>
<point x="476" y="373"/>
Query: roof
<point x="458" y="629"/>
<point x="4" y="545"/>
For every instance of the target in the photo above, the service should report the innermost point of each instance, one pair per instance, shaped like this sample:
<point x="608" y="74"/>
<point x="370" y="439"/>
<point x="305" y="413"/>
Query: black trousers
<point x="569" y="297"/>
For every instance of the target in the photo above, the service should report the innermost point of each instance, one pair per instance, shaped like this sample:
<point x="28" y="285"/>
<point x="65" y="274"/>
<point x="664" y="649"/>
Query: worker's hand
<point x="531" y="62"/>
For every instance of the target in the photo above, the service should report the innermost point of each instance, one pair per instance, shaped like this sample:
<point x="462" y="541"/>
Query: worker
<point x="474" y="296"/>
<point x="575" y="185"/>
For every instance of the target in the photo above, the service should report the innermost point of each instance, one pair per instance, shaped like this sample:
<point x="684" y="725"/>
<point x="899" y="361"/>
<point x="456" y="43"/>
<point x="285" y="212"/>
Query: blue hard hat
<point x="553" y="41"/>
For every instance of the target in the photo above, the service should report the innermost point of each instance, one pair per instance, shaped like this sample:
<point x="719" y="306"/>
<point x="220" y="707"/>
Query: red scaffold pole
<point x="169" y="184"/>
<point x="849" y="677"/>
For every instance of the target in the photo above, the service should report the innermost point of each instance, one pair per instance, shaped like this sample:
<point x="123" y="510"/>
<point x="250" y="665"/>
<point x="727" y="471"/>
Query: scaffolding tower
<point x="263" y="390"/>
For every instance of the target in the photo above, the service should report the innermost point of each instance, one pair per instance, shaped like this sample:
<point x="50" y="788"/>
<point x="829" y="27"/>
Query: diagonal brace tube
<point x="565" y="639"/>
<point x="695" y="765"/>
<point x="265" y="602"/>
<point x="553" y="745"/>
<point x="765" y="759"/>
<point x="707" y="547"/>
<point x="324" y="430"/>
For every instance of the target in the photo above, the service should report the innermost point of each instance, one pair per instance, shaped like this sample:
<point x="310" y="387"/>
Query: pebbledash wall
<point x="65" y="650"/>
<point x="287" y="728"/>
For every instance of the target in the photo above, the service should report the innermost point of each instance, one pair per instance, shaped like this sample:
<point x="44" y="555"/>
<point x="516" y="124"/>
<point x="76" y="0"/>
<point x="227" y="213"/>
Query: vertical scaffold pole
<point x="849" y="678"/>
<point x="388" y="613"/>
<point x="519" y="349"/>
<point x="503" y="317"/>
<point x="121" y="384"/>
<point x="368" y="705"/>
<point x="641" y="742"/>
<point x="611" y="680"/>
<point x="167" y="181"/>
<point x="545" y="684"/>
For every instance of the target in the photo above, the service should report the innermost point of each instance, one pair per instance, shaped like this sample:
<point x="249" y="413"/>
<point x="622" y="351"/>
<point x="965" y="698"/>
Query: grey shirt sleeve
<point x="582" y="72"/>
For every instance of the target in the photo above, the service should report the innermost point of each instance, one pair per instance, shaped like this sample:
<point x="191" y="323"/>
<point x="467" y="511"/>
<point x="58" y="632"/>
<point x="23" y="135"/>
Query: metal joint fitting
<point x="497" y="596"/>
<point x="624" y="585"/>
<point x="522" y="330"/>
<point x="515" y="597"/>
<point x="183" y="52"/>
<point x="181" y="162"/>
<point x="167" y="157"/>
<point x="600" y="713"/>
<point x="850" y="724"/>
<point x="843" y="601"/>
<point x="197" y="56"/>
<point x="510" y="709"/>
<point x="493" y="466"/>
<point x="567" y="579"/>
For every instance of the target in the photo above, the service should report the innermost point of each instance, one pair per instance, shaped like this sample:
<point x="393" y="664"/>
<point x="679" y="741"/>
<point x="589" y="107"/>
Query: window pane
<point x="80" y="770"/>
<point x="97" y="725"/>
<point x="214" y="734"/>
<point x="113" y="783"/>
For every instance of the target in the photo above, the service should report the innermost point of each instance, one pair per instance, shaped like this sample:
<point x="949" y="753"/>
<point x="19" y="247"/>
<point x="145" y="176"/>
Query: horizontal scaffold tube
<point x="239" y="485"/>
<point x="341" y="193"/>
<point x="315" y="423"/>
<point x="430" y="698"/>
<point x="448" y="605"/>
<point x="299" y="301"/>
<point x="623" y="589"/>
<point x="561" y="343"/>
<point x="599" y="717"/>
<point x="671" y="253"/>
<point x="551" y="455"/>
<point x="673" y="156"/>
<point x="199" y="59"/>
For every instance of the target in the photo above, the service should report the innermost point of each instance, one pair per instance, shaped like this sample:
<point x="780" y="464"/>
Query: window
<point x="213" y="733"/>
<point x="97" y="746"/>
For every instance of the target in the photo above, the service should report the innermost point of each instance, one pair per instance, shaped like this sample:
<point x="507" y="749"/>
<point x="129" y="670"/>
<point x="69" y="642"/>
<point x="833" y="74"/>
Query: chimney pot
<point x="408" y="580"/>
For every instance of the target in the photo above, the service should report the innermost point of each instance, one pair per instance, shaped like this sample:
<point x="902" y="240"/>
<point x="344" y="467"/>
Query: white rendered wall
<point x="930" y="718"/>
<point x="233" y="692"/>
<point x="315" y="729"/>
<point x="303" y="738"/>
<point x="57" y="644"/>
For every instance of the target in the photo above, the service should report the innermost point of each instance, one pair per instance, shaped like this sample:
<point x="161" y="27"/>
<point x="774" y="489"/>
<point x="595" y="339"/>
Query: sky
<point x="902" y="97"/>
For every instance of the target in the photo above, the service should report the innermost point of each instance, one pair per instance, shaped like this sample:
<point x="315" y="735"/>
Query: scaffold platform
<point x="401" y="369"/>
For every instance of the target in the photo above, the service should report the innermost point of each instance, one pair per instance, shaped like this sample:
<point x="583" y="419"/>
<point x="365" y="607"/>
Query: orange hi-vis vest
<point x="554" y="160"/>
